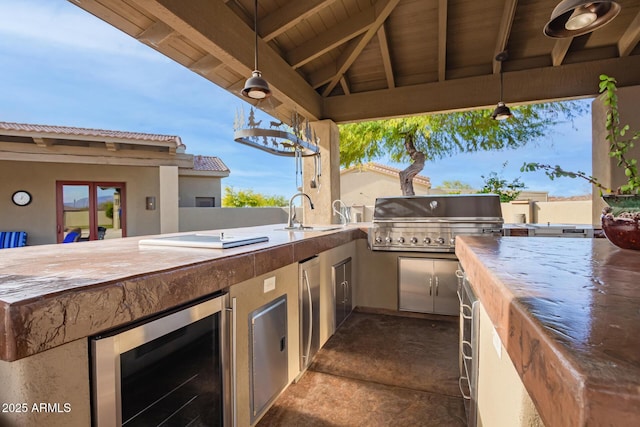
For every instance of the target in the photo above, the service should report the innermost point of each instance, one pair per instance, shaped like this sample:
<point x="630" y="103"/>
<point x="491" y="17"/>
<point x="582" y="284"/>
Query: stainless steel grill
<point x="431" y="223"/>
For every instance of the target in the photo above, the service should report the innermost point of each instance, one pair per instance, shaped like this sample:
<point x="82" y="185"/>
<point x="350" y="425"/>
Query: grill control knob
<point x="400" y="239"/>
<point x="427" y="240"/>
<point x="387" y="239"/>
<point x="440" y="240"/>
<point x="414" y="240"/>
<point x="378" y="239"/>
<point x="452" y="240"/>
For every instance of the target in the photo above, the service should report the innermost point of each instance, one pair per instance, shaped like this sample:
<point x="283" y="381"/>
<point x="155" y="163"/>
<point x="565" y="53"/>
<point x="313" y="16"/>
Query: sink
<point x="211" y="241"/>
<point x="314" y="228"/>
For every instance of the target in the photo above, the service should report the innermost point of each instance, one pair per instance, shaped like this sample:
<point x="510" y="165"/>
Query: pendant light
<point x="502" y="112"/>
<point x="256" y="87"/>
<point x="572" y="18"/>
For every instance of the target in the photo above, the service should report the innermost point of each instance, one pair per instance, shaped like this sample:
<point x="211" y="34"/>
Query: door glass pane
<point x="75" y="209"/>
<point x="109" y="212"/>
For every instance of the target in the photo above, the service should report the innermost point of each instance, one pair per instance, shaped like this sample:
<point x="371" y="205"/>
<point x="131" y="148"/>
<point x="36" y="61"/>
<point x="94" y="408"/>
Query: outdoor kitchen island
<point x="567" y="311"/>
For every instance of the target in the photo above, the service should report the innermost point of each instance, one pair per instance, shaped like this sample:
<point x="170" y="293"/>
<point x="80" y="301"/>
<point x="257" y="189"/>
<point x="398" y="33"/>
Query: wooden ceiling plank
<point x="216" y="29"/>
<point x="205" y="65"/>
<point x="332" y="38"/>
<point x="276" y="23"/>
<point x="383" y="10"/>
<point x="630" y="38"/>
<point x="508" y="14"/>
<point x="157" y="33"/>
<point x="442" y="40"/>
<point x="560" y="49"/>
<point x="526" y="86"/>
<point x="386" y="57"/>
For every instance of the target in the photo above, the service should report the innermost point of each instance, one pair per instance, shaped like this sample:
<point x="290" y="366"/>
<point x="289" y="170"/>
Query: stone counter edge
<point x="36" y="325"/>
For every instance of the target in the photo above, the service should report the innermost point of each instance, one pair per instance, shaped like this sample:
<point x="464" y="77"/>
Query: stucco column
<point x="604" y="167"/>
<point x="168" y="203"/>
<point x="329" y="184"/>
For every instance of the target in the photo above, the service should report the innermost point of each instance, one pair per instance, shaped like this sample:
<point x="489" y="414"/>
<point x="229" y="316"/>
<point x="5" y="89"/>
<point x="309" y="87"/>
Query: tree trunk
<point x="406" y="176"/>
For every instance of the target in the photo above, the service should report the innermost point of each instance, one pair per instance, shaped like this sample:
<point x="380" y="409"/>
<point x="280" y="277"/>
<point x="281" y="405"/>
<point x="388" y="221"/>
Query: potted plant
<point x="621" y="218"/>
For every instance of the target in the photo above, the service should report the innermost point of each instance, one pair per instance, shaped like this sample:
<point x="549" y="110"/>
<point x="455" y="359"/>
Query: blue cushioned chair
<point x="12" y="239"/>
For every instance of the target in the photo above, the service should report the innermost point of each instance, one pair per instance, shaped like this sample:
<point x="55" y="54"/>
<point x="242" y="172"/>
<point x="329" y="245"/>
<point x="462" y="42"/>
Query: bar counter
<point x="568" y="313"/>
<point x="54" y="294"/>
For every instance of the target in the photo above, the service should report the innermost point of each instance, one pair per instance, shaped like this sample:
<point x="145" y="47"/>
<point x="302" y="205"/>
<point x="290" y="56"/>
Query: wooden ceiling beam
<point x="205" y="65"/>
<point x="217" y="30"/>
<point x="630" y="38"/>
<point x="345" y="85"/>
<point x="383" y="10"/>
<point x="156" y="34"/>
<point x="276" y="23"/>
<point x="508" y="14"/>
<point x="526" y="86"/>
<point x="386" y="57"/>
<point x="560" y="49"/>
<point x="442" y="40"/>
<point x="332" y="38"/>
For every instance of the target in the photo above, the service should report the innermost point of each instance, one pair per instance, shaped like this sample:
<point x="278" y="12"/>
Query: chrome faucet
<point x="292" y="211"/>
<point x="342" y="211"/>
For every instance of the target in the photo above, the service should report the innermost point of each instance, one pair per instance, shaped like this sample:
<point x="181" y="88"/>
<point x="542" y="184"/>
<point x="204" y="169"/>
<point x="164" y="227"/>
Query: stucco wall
<point x="604" y="167"/>
<point x="39" y="218"/>
<point x="362" y="187"/>
<point x="191" y="187"/>
<point x="193" y="219"/>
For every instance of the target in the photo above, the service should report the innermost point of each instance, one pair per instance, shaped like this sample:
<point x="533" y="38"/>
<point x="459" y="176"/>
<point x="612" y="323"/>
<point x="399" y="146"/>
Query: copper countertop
<point x="54" y="294"/>
<point x="568" y="313"/>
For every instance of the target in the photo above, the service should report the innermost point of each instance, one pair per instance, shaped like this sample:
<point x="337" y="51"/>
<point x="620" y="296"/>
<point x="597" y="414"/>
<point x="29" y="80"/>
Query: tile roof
<point x="76" y="131"/>
<point x="209" y="163"/>
<point x="387" y="170"/>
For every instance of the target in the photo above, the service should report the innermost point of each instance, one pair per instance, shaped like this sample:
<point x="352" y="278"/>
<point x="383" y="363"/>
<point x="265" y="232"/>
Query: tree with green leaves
<point x="494" y="183"/>
<point x="248" y="198"/>
<point x="430" y="137"/>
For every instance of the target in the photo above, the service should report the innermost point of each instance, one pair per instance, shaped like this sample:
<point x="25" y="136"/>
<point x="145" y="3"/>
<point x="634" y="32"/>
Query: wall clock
<point x="21" y="198"/>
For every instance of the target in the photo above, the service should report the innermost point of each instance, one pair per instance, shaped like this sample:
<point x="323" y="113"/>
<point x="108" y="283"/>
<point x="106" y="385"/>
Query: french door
<point x="93" y="210"/>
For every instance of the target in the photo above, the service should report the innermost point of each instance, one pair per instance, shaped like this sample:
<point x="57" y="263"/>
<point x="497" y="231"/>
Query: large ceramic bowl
<point x="623" y="231"/>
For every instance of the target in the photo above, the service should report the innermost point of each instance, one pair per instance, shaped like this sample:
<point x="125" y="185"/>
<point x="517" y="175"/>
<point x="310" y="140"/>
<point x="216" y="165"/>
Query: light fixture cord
<point x="501" y="100"/>
<point x="255" y="30"/>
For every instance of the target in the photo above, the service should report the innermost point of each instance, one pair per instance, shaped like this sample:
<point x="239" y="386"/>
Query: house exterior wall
<point x="38" y="219"/>
<point x="604" y="167"/>
<point x="362" y="187"/>
<point x="196" y="219"/>
<point x="191" y="187"/>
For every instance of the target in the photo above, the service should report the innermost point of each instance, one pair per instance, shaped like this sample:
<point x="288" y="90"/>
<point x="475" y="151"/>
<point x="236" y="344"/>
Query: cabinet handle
<point x="306" y="281"/>
<point x="430" y="285"/>
<point x="459" y="274"/>
<point x="437" y="285"/>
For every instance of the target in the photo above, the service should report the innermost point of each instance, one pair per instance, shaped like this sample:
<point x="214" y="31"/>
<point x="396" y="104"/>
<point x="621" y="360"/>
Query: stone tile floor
<point x="378" y="370"/>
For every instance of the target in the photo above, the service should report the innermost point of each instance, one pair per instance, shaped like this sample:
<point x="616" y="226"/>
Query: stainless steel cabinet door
<point x="445" y="287"/>
<point x="269" y="355"/>
<point x="342" y="291"/>
<point x="416" y="284"/>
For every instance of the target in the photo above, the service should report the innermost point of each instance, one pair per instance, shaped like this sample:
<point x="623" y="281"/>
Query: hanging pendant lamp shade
<point x="256" y="87"/>
<point x="572" y="18"/>
<point x="502" y="112"/>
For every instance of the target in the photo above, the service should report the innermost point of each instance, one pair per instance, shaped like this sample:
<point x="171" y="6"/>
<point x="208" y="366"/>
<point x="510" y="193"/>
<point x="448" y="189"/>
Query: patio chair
<point x="101" y="232"/>
<point x="12" y="239"/>
<point x="72" y="236"/>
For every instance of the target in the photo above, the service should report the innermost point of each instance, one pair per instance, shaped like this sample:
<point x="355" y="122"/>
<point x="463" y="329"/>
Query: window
<point x="205" y="202"/>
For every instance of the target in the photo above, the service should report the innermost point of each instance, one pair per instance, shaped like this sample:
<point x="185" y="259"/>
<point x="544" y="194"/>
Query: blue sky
<point x="63" y="66"/>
